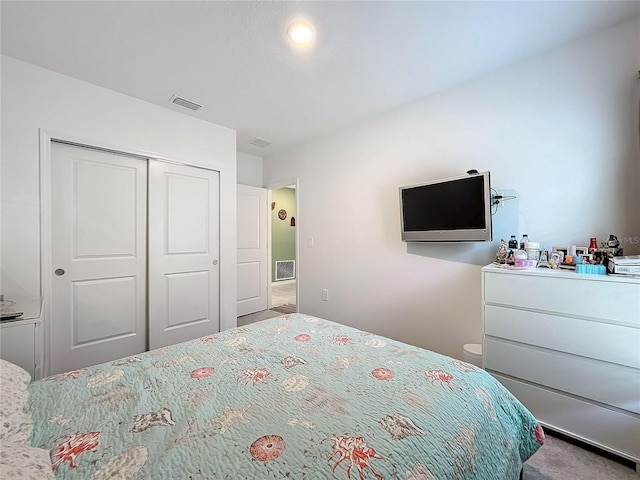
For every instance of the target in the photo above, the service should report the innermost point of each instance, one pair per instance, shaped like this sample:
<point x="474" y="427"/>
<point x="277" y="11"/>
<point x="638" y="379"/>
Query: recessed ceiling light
<point x="301" y="33"/>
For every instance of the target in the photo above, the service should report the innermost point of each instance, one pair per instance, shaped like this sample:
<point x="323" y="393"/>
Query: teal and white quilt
<point x="294" y="397"/>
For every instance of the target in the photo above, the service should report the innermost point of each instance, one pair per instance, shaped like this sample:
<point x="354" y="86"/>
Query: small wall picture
<point x="282" y="214"/>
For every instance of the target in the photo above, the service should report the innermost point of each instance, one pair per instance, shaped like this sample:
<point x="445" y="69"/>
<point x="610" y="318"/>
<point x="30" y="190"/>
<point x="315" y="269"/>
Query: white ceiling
<point x="233" y="57"/>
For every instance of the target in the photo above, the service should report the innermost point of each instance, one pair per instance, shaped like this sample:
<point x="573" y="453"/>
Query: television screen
<point x="450" y="210"/>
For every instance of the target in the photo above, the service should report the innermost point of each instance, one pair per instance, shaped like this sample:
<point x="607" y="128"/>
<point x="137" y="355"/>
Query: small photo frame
<point x="583" y="251"/>
<point x="561" y="249"/>
<point x="556" y="257"/>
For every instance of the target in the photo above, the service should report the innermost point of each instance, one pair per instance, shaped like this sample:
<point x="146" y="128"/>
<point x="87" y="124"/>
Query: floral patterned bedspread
<point x="293" y="397"/>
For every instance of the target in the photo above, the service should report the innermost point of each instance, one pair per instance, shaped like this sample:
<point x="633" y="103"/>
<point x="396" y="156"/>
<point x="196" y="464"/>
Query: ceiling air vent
<point x="183" y="102"/>
<point x="259" y="142"/>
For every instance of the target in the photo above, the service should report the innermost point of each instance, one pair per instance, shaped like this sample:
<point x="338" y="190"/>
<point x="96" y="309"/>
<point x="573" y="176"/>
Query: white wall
<point x="34" y="98"/>
<point x="249" y="169"/>
<point x="559" y="130"/>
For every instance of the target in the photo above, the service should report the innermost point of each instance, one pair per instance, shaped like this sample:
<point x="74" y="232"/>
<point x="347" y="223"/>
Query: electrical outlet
<point x="310" y="242"/>
<point x="325" y="295"/>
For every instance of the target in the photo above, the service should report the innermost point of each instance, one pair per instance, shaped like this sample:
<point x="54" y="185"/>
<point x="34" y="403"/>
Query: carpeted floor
<point x="257" y="317"/>
<point x="289" y="308"/>
<point x="560" y="459"/>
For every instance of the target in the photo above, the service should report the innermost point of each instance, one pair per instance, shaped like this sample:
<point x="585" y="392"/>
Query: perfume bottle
<point x="593" y="245"/>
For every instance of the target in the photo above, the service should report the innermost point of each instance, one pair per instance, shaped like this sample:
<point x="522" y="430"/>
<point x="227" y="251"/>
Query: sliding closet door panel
<point x="97" y="316"/>
<point x="184" y="283"/>
<point x="97" y="201"/>
<point x="98" y="305"/>
<point x="187" y="226"/>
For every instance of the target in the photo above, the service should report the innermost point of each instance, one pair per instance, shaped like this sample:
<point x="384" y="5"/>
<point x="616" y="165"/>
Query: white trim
<point x="287" y="182"/>
<point x="284" y="282"/>
<point x="269" y="269"/>
<point x="45" y="244"/>
<point x="125" y="151"/>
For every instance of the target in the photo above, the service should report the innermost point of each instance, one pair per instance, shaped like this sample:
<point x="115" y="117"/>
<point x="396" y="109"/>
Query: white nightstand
<point x="21" y="340"/>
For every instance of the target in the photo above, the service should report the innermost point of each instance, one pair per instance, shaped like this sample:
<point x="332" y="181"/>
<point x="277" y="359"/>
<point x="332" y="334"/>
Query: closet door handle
<point x="59" y="272"/>
<point x="215" y="262"/>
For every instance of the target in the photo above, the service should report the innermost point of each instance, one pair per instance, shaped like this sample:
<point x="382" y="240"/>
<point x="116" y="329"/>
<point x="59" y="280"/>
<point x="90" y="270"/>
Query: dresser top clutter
<point x="608" y="258"/>
<point x="561" y="273"/>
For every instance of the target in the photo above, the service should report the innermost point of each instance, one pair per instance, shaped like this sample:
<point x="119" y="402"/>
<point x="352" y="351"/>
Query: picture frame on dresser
<point x="560" y="248"/>
<point x="556" y="258"/>
<point x="582" y="251"/>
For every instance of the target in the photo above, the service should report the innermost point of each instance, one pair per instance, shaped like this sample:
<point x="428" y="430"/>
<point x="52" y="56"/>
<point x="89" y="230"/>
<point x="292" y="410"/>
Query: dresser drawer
<point x="602" y="382"/>
<point x="614" y="431"/>
<point x="602" y="341"/>
<point x="617" y="302"/>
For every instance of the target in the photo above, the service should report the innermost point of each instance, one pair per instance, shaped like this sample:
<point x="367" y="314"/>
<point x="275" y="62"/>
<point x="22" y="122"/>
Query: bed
<point x="294" y="397"/>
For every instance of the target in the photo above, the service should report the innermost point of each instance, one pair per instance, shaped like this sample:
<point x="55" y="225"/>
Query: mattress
<point x="295" y="397"/>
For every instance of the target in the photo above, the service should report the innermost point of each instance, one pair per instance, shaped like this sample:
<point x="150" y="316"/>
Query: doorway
<point x="280" y="293"/>
<point x="283" y="251"/>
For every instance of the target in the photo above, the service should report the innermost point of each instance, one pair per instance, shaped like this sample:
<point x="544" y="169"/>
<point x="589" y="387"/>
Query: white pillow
<point x="15" y="420"/>
<point x="18" y="461"/>
<point x="10" y="372"/>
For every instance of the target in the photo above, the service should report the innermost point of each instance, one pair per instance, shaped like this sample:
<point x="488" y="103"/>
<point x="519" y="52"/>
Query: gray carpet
<point x="289" y="308"/>
<point x="560" y="459"/>
<point x="257" y="317"/>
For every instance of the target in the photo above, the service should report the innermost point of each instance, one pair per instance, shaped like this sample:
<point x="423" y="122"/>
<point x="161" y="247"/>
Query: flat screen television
<point x="456" y="209"/>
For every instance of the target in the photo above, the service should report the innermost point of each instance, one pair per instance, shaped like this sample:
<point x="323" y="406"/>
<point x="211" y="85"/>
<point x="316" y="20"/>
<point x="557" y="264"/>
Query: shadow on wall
<point x="504" y="224"/>
<point x="475" y="253"/>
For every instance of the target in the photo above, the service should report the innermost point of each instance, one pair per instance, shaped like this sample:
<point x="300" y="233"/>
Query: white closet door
<point x="253" y="255"/>
<point x="184" y="245"/>
<point x="99" y="257"/>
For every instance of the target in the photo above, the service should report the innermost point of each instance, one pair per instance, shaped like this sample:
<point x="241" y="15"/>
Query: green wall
<point x="283" y="235"/>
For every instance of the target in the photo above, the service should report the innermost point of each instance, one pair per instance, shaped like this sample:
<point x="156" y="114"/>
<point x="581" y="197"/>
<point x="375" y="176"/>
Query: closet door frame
<point x="46" y="264"/>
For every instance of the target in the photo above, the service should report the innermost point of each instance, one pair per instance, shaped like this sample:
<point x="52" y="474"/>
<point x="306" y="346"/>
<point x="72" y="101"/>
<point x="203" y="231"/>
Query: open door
<point x="253" y="256"/>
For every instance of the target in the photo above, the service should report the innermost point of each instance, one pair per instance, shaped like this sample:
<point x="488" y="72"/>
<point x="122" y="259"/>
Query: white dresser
<point x="567" y="345"/>
<point x="21" y="340"/>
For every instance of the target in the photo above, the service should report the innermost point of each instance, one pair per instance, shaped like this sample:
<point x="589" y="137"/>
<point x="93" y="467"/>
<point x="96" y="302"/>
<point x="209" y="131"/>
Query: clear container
<point x="523" y="241"/>
<point x="520" y="257"/>
<point x="533" y="251"/>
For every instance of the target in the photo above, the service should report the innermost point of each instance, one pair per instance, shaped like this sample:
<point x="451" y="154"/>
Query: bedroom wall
<point x="559" y="131"/>
<point x="34" y="98"/>
<point x="249" y="169"/>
